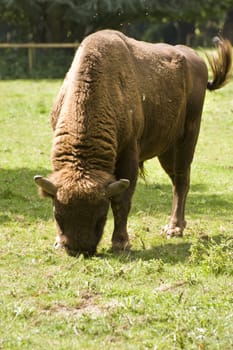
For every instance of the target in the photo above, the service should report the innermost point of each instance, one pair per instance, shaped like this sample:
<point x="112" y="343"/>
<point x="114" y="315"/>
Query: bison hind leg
<point x="180" y="177"/>
<point x="119" y="246"/>
<point x="171" y="230"/>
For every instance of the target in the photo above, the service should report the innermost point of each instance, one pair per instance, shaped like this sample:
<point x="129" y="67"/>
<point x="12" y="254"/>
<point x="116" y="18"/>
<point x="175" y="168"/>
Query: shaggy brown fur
<point x="123" y="102"/>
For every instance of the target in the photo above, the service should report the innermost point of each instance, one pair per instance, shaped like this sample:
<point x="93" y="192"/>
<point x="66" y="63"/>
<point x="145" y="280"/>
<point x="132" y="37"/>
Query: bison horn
<point x="46" y="185"/>
<point x="117" y="187"/>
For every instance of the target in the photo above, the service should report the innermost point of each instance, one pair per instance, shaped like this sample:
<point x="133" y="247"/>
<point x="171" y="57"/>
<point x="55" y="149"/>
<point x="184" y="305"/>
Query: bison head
<point x="80" y="219"/>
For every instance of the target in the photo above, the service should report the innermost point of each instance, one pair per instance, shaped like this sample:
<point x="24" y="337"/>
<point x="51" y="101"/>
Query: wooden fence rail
<point x="32" y="46"/>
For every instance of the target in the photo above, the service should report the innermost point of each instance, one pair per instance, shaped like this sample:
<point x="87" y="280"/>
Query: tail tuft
<point x="220" y="64"/>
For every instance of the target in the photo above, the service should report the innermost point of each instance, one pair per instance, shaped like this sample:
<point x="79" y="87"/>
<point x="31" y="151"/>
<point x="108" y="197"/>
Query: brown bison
<point x="122" y="102"/>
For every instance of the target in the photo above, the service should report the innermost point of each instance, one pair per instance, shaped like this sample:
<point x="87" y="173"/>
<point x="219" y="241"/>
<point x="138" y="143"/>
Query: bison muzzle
<point x="122" y="102"/>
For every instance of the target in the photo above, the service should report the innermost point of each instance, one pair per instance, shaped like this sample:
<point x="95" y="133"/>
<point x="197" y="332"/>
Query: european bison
<point x="122" y="102"/>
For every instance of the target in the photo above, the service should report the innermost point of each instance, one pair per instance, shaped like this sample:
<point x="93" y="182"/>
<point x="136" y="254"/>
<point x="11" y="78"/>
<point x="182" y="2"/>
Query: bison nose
<point x="58" y="245"/>
<point x="62" y="243"/>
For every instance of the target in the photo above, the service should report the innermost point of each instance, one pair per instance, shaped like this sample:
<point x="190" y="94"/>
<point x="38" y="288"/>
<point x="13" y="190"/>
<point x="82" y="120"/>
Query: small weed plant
<point x="214" y="256"/>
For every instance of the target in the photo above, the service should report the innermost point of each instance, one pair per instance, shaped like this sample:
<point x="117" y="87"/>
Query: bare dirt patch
<point x="87" y="303"/>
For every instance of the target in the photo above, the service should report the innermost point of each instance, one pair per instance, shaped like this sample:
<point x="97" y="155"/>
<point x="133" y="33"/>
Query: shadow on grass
<point x="19" y="196"/>
<point x="169" y="252"/>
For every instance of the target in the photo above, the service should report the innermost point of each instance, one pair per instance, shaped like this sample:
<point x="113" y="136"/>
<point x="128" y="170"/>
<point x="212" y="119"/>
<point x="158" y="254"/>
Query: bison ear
<point x="117" y="187"/>
<point x="46" y="185"/>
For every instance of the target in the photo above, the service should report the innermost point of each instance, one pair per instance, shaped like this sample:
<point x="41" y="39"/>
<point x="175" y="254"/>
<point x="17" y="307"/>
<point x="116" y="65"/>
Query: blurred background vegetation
<point x="191" y="22"/>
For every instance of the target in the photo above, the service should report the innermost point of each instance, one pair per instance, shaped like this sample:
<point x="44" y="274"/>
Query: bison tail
<point x="220" y="64"/>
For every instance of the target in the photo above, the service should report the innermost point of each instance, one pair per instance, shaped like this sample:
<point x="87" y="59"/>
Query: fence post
<point x="31" y="58"/>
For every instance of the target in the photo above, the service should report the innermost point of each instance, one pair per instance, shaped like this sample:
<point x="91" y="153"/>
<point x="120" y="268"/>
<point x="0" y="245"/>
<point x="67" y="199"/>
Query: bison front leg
<point x="127" y="167"/>
<point x="120" y="209"/>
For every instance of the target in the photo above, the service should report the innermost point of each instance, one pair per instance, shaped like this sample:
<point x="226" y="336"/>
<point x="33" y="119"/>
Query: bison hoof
<point x="121" y="246"/>
<point x="172" y="231"/>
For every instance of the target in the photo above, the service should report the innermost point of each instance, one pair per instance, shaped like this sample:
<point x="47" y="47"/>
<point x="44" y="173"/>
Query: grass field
<point x="164" y="294"/>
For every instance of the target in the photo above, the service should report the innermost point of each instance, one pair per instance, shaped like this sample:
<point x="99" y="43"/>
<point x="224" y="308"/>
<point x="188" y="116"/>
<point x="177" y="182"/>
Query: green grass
<point x="164" y="294"/>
